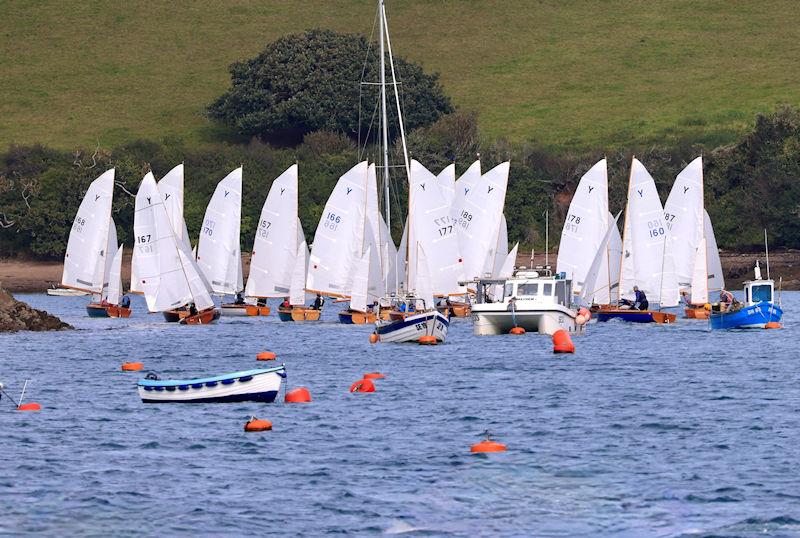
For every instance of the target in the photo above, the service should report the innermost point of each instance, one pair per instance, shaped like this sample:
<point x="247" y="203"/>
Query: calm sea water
<point x="644" y="431"/>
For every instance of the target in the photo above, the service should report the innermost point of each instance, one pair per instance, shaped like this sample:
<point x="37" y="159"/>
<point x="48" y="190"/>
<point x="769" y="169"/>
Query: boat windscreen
<point x="762" y="293"/>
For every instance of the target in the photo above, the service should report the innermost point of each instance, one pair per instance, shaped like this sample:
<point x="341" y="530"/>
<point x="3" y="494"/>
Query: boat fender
<point x="363" y="385"/>
<point x="151" y="376"/>
<point x="427" y="340"/>
<point x="228" y="381"/>
<point x="245" y="379"/>
<point x="373" y="338"/>
<point x="282" y="374"/>
<point x="585" y="312"/>
<point x="772" y="325"/>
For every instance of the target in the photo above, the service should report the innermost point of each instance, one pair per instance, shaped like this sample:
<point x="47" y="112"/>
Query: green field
<point x="565" y="73"/>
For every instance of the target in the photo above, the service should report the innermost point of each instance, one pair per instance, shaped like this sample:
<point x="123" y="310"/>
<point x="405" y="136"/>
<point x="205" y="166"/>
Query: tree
<point x="312" y="81"/>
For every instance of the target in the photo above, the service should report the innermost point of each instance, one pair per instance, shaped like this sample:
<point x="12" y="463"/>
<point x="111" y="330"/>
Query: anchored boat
<point x="246" y="386"/>
<point x="410" y="318"/>
<point x="535" y="300"/>
<point x="756" y="312"/>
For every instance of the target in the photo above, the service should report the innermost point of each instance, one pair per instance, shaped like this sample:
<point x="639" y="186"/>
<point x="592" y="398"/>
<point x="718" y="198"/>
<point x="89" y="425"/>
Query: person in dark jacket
<point x="640" y="302"/>
<point x="318" y="302"/>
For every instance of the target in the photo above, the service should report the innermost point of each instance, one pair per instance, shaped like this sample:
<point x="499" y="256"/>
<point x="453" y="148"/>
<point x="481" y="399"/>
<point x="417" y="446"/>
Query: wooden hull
<point x="201" y="318"/>
<point x="354" y="317"/>
<point x="174" y="316"/>
<point x="635" y="316"/>
<point x="244" y="310"/>
<point x="118" y="312"/>
<point x="460" y="310"/>
<point x="697" y="312"/>
<point x="298" y="313"/>
<point x="96" y="310"/>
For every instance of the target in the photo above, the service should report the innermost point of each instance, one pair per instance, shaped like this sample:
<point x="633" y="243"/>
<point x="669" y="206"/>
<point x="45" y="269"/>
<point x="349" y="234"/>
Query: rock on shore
<point x="18" y="316"/>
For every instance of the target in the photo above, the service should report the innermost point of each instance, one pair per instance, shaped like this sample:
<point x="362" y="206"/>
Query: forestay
<point x="647" y="259"/>
<point x="683" y="213"/>
<point x="479" y="219"/>
<point x="339" y="238"/>
<point x="276" y="240"/>
<point x="431" y="227"/>
<point x="218" y="250"/>
<point x="585" y="226"/>
<point x="85" y="259"/>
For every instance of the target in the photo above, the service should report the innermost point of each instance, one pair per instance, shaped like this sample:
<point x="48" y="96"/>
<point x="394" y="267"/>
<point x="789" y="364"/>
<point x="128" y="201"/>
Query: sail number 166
<point x="332" y="221"/>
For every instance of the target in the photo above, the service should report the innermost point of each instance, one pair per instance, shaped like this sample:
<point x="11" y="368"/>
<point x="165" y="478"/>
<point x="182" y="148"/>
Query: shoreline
<point x="31" y="276"/>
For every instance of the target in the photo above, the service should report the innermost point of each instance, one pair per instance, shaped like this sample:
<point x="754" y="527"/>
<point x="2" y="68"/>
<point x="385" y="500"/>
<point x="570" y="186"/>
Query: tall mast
<point x="384" y="119"/>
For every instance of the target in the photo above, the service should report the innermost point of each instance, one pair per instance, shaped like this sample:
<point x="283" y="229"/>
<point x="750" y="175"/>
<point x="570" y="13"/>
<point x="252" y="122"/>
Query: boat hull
<point x="749" y="317"/>
<point x="354" y="317"/>
<point x="298" y="314"/>
<point x="115" y="311"/>
<point x="456" y="309"/>
<point x="636" y="316"/>
<point x="201" y="318"/>
<point x="246" y="386"/>
<point x="542" y="320"/>
<point x="96" y="310"/>
<point x="66" y="292"/>
<point x="174" y="316"/>
<point x="244" y="310"/>
<point x="410" y="327"/>
<point x="697" y="312"/>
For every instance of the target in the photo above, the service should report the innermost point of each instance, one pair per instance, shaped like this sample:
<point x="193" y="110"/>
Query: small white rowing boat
<point x="247" y="386"/>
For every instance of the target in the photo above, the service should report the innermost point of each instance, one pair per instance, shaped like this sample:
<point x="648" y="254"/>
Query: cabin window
<point x="528" y="289"/>
<point x="509" y="291"/>
<point x="762" y="293"/>
<point x="561" y="292"/>
<point x="547" y="290"/>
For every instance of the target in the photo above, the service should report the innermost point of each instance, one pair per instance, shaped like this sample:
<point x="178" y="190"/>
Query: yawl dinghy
<point x="697" y="263"/>
<point x="297" y="309"/>
<point x="89" y="262"/>
<point x="219" y="252"/>
<point x="278" y="238"/>
<point x="169" y="277"/>
<point x="647" y="258"/>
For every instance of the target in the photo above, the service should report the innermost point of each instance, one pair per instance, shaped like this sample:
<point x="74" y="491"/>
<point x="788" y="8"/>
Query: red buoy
<point x="373" y="338"/>
<point x="516" y="330"/>
<point x="31" y="406"/>
<point x="257" y="425"/>
<point x="488" y="446"/>
<point x="427" y="340"/>
<point x="298" y="395"/>
<point x="562" y="343"/>
<point x="772" y="325"/>
<point x="132" y="366"/>
<point x="363" y="385"/>
<point x="266" y="356"/>
<point x="374" y="375"/>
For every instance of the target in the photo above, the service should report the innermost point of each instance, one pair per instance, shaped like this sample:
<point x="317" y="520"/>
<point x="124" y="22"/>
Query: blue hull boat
<point x="754" y="316"/>
<point x="248" y="386"/>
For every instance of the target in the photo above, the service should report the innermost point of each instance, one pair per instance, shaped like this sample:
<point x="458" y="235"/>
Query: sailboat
<point x="647" y="258"/>
<point x="219" y="252"/>
<point x="697" y="263"/>
<point x="88" y="261"/>
<point x="296" y="310"/>
<point x="278" y="237"/>
<point x="584" y="229"/>
<point x="169" y="277"/>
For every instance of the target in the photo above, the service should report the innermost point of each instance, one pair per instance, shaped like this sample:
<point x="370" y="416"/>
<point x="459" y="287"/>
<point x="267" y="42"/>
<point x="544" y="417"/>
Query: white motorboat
<point x="535" y="300"/>
<point x="66" y="292"/>
<point x="409" y="319"/>
<point x="248" y="386"/>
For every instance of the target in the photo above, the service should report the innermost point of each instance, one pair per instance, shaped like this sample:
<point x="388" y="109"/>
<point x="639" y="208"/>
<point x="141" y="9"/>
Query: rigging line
<point x="361" y="81"/>
<point x="366" y="137"/>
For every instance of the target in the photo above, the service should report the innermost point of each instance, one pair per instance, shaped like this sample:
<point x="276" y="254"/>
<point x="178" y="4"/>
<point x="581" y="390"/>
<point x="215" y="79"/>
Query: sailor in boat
<point x="239" y="298"/>
<point x="639" y="303"/>
<point x="192" y="309"/>
<point x="727" y="301"/>
<point x="125" y="302"/>
<point x="262" y="301"/>
<point x="318" y="302"/>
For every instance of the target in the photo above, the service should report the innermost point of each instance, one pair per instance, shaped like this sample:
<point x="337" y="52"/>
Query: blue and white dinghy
<point x="247" y="386"/>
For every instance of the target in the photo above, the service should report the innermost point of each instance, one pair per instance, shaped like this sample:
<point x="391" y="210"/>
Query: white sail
<point x="463" y="186"/>
<point x="390" y="260"/>
<point x="431" y="226"/>
<point x="115" y="278"/>
<point x="339" y="239"/>
<point x="683" y="213"/>
<point x="171" y="188"/>
<point x="647" y="259"/>
<point x="699" y="283"/>
<point x="276" y="241"/>
<point x="479" y="220"/>
<point x="218" y="250"/>
<point x="447" y="183"/>
<point x="597" y="288"/>
<point x="297" y="292"/>
<point x="716" y="279"/>
<point x="360" y="292"/>
<point x="376" y="287"/>
<point x="402" y="255"/>
<point x="85" y="259"/>
<point x="610" y="268"/>
<point x="144" y="265"/>
<point x="423" y="283"/>
<point x="506" y="270"/>
<point x="501" y="250"/>
<point x="111" y="249"/>
<point x="585" y="226"/>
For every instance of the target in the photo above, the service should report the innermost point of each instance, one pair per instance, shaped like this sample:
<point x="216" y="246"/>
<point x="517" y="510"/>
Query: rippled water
<point x="644" y="431"/>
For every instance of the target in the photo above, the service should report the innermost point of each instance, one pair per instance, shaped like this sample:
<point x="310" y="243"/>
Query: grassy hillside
<point x="583" y="73"/>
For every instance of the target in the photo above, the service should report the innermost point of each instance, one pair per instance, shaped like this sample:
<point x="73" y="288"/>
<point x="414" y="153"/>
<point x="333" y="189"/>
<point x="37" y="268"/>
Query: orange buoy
<point x="562" y="343"/>
<point x="132" y="366"/>
<point x="257" y="425"/>
<point x="374" y="375"/>
<point x="266" y="356"/>
<point x="32" y="406"/>
<point x="516" y="330"/>
<point x="427" y="340"/>
<point x="488" y="446"/>
<point x="363" y="385"/>
<point x="772" y="325"/>
<point x="298" y="395"/>
<point x="373" y="338"/>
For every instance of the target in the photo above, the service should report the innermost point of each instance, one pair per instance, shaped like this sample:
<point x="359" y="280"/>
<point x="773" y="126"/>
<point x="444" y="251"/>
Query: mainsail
<point x="683" y="213"/>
